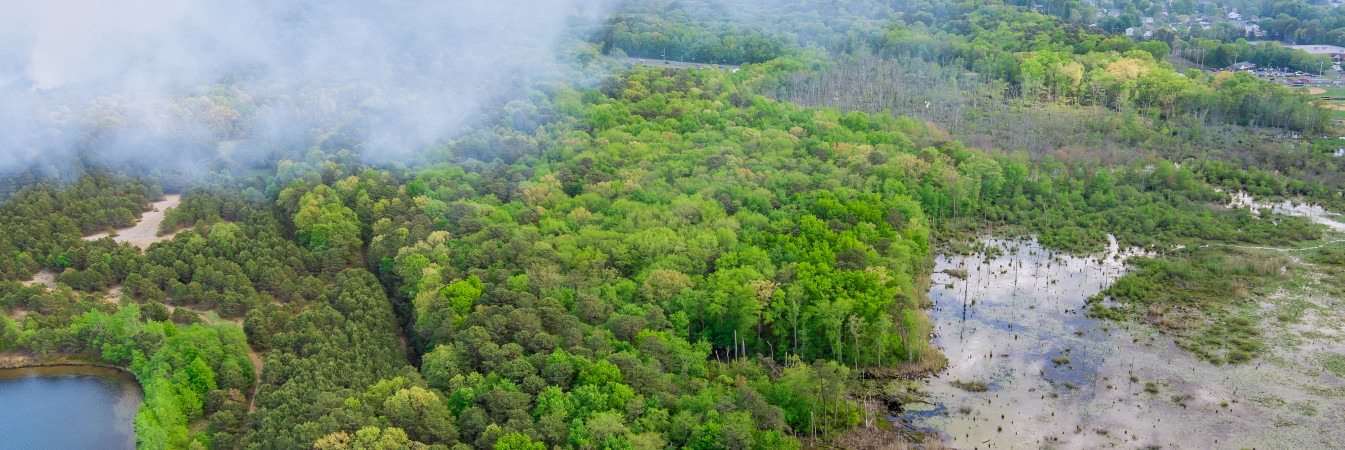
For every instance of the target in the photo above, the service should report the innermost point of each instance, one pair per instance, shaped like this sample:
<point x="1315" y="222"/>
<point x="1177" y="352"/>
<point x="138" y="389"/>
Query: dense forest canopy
<point x="647" y="257"/>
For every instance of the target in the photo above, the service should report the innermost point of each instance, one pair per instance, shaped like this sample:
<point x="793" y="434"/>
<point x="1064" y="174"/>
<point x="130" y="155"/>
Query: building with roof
<point x="1336" y="52"/>
<point x="1319" y="49"/>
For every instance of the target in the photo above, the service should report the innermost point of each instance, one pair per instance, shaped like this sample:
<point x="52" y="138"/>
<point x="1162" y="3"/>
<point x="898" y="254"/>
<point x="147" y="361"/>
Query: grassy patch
<point x="1269" y="401"/>
<point x="1203" y="297"/>
<point x="1334" y="363"/>
<point x="1329" y="255"/>
<point x="1304" y="408"/>
<point x="971" y="386"/>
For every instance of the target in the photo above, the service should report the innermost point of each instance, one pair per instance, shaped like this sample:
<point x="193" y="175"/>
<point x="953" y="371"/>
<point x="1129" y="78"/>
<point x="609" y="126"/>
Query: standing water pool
<point x="1027" y="368"/>
<point x="71" y="407"/>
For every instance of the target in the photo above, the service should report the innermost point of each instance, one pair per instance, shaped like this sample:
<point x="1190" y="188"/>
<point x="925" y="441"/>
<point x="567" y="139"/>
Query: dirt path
<point x="257" y="370"/>
<point x="256" y="359"/>
<point x="144" y="232"/>
<point x="1281" y="249"/>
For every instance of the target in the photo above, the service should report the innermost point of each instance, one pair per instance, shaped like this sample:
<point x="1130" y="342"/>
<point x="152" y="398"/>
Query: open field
<point x="1331" y="91"/>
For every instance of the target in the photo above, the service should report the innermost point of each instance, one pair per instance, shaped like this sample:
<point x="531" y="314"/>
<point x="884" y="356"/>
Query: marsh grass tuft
<point x="971" y="386"/>
<point x="1334" y="363"/>
<point x="1202" y="297"/>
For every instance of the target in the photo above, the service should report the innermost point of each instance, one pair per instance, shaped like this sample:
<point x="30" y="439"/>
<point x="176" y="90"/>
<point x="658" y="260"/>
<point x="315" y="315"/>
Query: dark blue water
<point x="67" y="408"/>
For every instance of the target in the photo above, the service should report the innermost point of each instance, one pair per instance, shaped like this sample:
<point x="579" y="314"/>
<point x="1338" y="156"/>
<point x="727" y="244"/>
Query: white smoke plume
<point x="158" y="83"/>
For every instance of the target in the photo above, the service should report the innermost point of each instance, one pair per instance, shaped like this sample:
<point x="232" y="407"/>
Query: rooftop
<point x="1318" y="49"/>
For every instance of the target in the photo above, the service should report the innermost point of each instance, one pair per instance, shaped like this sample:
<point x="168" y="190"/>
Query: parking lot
<point x="1293" y="78"/>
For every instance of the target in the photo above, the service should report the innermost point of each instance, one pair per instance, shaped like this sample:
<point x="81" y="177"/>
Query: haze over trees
<point x="639" y="257"/>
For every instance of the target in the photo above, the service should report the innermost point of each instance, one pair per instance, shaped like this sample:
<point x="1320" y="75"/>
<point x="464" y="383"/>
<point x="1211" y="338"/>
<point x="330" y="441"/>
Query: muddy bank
<point x="1027" y="368"/>
<point x="22" y="364"/>
<point x="144" y="232"/>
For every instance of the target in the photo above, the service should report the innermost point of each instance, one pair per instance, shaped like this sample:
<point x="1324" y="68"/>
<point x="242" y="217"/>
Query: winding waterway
<point x="74" y="407"/>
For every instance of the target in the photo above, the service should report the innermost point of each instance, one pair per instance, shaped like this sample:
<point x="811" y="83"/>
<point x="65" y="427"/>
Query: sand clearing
<point x="45" y="277"/>
<point x="144" y="232"/>
<point x="1316" y="90"/>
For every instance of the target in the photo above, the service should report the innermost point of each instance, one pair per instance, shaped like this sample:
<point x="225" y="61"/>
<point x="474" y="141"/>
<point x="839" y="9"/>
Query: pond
<point x="68" y="407"/>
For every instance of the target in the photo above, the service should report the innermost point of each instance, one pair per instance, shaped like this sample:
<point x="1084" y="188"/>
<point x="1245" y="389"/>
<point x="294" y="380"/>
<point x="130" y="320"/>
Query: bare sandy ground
<point x="143" y="233"/>
<point x="47" y="278"/>
<point x="43" y="277"/>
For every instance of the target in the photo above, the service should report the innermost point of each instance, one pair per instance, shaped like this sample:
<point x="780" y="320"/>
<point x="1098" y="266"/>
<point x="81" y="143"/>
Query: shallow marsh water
<point x="1057" y="378"/>
<point x="71" y="407"/>
<point x="1315" y="213"/>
